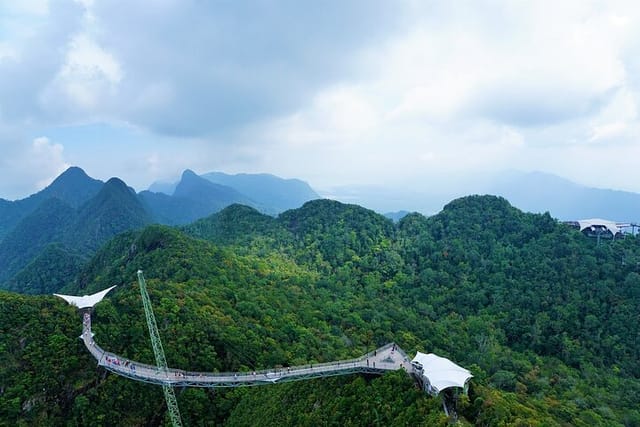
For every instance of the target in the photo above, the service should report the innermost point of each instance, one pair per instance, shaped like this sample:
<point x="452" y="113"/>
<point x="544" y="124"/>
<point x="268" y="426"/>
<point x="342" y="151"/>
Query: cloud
<point x="358" y="91"/>
<point x="29" y="167"/>
<point x="89" y="75"/>
<point x="35" y="43"/>
<point x="215" y="66"/>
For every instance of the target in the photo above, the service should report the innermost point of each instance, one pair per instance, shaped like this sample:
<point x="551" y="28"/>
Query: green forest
<point x="545" y="318"/>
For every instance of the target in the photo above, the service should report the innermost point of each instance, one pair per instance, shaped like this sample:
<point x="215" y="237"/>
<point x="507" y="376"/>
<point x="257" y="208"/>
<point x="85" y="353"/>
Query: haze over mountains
<point x="535" y="192"/>
<point x="71" y="218"/>
<point x="269" y="193"/>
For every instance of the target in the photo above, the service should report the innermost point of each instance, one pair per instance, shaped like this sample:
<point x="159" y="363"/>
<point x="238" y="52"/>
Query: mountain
<point x="537" y="311"/>
<point x="163" y="187"/>
<point x="277" y="194"/>
<point x="47" y="224"/>
<point x="269" y="193"/>
<point x="241" y="226"/>
<point x="193" y="197"/>
<point x="333" y="234"/>
<point x="73" y="186"/>
<point x="396" y="216"/>
<point x="531" y="191"/>
<point x="210" y="196"/>
<point x="115" y="209"/>
<point x="169" y="210"/>
<point x="49" y="271"/>
<point x="76" y="219"/>
<point x="56" y="234"/>
<point x="563" y="199"/>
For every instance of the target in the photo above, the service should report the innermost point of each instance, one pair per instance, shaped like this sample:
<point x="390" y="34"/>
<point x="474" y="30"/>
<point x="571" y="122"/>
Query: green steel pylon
<point x="158" y="351"/>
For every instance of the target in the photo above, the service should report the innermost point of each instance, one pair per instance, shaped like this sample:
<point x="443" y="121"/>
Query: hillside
<point x="73" y="187"/>
<point x="56" y="234"/>
<point x="115" y="209"/>
<point x="76" y="214"/>
<point x="538" y="312"/>
<point x="47" y="224"/>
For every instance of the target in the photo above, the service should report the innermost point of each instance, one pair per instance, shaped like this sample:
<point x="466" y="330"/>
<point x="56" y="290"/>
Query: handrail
<point x="386" y="358"/>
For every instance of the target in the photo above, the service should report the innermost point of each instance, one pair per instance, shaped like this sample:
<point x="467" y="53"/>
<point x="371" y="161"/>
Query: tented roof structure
<point x="439" y="373"/>
<point x="85" y="301"/>
<point x="612" y="226"/>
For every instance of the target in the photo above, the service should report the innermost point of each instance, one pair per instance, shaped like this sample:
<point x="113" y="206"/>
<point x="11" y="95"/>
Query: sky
<point x="405" y="94"/>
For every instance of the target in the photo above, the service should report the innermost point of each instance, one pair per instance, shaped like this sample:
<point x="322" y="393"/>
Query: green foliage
<point x="46" y="250"/>
<point x="45" y="225"/>
<point x="541" y="315"/>
<point x="50" y="271"/>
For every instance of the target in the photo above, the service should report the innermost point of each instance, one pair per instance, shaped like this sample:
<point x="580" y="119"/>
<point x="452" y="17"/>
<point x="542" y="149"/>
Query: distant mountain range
<point x="535" y="192"/>
<point x="267" y="193"/>
<point x="76" y="214"/>
<point x="563" y="199"/>
<point x="68" y="221"/>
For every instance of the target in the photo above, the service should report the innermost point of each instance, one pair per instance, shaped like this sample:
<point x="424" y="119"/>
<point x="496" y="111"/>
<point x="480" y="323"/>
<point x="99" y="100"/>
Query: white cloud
<point x="484" y="87"/>
<point x="362" y="92"/>
<point x="29" y="167"/>
<point x="87" y="82"/>
<point x="48" y="159"/>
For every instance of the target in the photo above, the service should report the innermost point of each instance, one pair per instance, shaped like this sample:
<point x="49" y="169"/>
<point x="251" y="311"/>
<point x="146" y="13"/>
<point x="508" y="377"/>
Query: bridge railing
<point x="152" y="373"/>
<point x="133" y="368"/>
<point x="289" y="370"/>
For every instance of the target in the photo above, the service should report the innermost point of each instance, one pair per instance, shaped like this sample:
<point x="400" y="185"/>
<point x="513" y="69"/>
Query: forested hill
<point x="73" y="187"/>
<point x="73" y="235"/>
<point x="76" y="214"/>
<point x="540" y="314"/>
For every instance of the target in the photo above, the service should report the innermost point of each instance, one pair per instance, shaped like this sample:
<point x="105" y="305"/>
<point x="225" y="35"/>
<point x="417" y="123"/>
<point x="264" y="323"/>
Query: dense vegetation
<point x="76" y="215"/>
<point x="75" y="234"/>
<point x="544" y="318"/>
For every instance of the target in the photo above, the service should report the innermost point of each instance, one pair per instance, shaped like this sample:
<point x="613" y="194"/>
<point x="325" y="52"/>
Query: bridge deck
<point x="385" y="358"/>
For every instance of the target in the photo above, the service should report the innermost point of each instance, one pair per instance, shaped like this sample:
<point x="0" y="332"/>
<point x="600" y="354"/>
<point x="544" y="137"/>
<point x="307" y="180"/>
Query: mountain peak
<point x="73" y="186"/>
<point x="73" y="171"/>
<point x="189" y="174"/>
<point x="117" y="183"/>
<point x="71" y="176"/>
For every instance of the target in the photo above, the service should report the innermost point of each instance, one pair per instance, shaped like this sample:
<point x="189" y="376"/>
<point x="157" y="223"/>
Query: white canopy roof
<point x="609" y="225"/>
<point x="86" y="300"/>
<point x="441" y="372"/>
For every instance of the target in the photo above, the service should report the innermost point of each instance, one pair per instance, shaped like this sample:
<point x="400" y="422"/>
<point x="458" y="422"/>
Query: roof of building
<point x="85" y="301"/>
<point x="441" y="372"/>
<point x="612" y="226"/>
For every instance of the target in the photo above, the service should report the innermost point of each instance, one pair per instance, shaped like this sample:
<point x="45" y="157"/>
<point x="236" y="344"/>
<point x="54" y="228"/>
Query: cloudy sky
<point x="405" y="93"/>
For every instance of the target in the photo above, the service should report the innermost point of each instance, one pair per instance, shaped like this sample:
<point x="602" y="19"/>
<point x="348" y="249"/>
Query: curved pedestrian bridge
<point x="386" y="358"/>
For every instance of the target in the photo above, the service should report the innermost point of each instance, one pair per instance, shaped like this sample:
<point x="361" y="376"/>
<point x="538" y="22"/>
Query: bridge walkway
<point x="386" y="358"/>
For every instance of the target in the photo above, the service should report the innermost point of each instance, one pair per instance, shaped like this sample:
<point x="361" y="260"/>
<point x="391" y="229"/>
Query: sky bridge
<point x="433" y="372"/>
<point x="386" y="358"/>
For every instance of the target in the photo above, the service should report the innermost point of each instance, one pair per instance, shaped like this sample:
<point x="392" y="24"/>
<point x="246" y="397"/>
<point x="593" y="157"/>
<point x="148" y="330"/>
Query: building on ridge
<point x="600" y="228"/>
